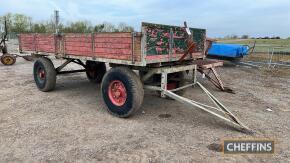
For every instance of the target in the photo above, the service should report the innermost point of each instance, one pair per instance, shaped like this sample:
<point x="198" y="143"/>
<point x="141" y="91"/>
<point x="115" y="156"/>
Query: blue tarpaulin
<point x="228" y="50"/>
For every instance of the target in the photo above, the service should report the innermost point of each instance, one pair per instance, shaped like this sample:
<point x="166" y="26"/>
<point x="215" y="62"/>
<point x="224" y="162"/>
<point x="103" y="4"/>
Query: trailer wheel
<point x="44" y="74"/>
<point x="122" y="91"/>
<point x="95" y="71"/>
<point x="8" y="59"/>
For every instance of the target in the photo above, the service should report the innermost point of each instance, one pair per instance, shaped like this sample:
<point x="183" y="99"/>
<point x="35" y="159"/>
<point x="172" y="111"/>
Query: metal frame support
<point x="216" y="80"/>
<point x="58" y="69"/>
<point x="69" y="60"/>
<point x="163" y="84"/>
<point x="219" y="107"/>
<point x="219" y="110"/>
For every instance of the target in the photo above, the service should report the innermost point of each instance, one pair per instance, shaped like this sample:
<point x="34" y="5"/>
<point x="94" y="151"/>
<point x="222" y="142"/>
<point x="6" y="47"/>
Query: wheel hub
<point x="41" y="74"/>
<point x="8" y="60"/>
<point x="117" y="93"/>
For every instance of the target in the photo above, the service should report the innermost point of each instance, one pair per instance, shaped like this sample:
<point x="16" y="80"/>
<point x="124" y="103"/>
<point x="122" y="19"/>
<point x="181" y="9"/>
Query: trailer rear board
<point x="150" y="46"/>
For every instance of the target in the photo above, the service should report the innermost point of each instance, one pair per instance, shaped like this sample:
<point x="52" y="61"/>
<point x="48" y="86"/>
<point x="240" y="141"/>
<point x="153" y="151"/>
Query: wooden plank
<point x="113" y="34"/>
<point x="125" y="40"/>
<point x="113" y="45"/>
<point x="137" y="48"/>
<point x="206" y="64"/>
<point x="158" y="57"/>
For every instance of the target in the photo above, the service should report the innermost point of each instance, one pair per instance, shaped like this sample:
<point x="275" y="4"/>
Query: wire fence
<point x="271" y="56"/>
<point x="12" y="36"/>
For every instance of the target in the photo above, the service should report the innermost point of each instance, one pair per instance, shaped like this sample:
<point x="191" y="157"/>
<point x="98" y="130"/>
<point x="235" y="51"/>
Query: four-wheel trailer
<point x="164" y="56"/>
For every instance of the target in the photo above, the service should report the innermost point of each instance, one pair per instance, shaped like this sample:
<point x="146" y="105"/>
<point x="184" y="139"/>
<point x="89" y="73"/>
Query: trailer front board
<point x="159" y="37"/>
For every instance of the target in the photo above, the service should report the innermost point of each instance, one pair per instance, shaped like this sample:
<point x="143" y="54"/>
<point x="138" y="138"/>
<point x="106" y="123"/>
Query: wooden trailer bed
<point x="154" y="44"/>
<point x="155" y="53"/>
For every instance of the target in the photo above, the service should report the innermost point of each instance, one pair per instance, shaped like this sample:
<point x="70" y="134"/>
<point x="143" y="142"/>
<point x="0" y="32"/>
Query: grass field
<point x="262" y="45"/>
<point x="263" y="48"/>
<point x="260" y="42"/>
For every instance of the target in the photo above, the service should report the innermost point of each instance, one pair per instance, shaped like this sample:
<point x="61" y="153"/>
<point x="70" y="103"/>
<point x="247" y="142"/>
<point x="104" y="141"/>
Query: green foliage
<point x="108" y="27"/>
<point x="19" y="23"/>
<point x="231" y="37"/>
<point x="78" y="27"/>
<point x="39" y="28"/>
<point x="99" y="28"/>
<point x="262" y="45"/>
<point x="123" y="27"/>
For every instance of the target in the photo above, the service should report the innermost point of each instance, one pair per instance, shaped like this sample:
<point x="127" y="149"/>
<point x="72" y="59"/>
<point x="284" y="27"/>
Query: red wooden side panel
<point x="45" y="43"/>
<point x="26" y="42"/>
<point x="99" y="45"/>
<point x="104" y="45"/>
<point x="37" y="42"/>
<point x="78" y="44"/>
<point x="113" y="45"/>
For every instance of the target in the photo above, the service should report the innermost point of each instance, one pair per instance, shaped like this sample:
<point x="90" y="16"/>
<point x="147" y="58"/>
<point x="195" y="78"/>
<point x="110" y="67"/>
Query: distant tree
<point x="78" y="27"/>
<point x="17" y="22"/>
<point x="39" y="28"/>
<point x="234" y="36"/>
<point x="109" y="27"/>
<point x="20" y="23"/>
<point x="245" y="37"/>
<point x="231" y="37"/>
<point x="9" y="18"/>
<point x="50" y="27"/>
<point x="99" y="28"/>
<point x="123" y="27"/>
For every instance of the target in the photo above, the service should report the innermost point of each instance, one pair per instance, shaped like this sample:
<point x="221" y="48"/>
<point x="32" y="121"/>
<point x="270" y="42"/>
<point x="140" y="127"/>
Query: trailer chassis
<point x="218" y="110"/>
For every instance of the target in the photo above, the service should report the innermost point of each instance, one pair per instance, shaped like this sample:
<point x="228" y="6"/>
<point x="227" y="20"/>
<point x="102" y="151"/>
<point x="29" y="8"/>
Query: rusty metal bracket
<point x="216" y="80"/>
<point x="190" y="44"/>
<point x="171" y="41"/>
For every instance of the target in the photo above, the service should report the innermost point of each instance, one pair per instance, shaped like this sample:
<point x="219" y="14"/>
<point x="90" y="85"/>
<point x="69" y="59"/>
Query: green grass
<point x="262" y="45"/>
<point x="266" y="42"/>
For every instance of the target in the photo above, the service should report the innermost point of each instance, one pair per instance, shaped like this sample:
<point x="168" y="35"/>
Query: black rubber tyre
<point x="95" y="71"/>
<point x="8" y="59"/>
<point x="134" y="91"/>
<point x="44" y="74"/>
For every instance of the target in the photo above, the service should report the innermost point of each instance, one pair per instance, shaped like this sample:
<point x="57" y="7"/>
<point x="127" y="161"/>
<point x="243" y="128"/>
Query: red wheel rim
<point x="91" y="72"/>
<point x="171" y="86"/>
<point x="117" y="93"/>
<point x="41" y="74"/>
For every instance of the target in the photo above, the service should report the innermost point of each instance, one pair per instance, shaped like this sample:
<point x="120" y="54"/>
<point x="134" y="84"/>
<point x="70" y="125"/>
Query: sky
<point x="257" y="18"/>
